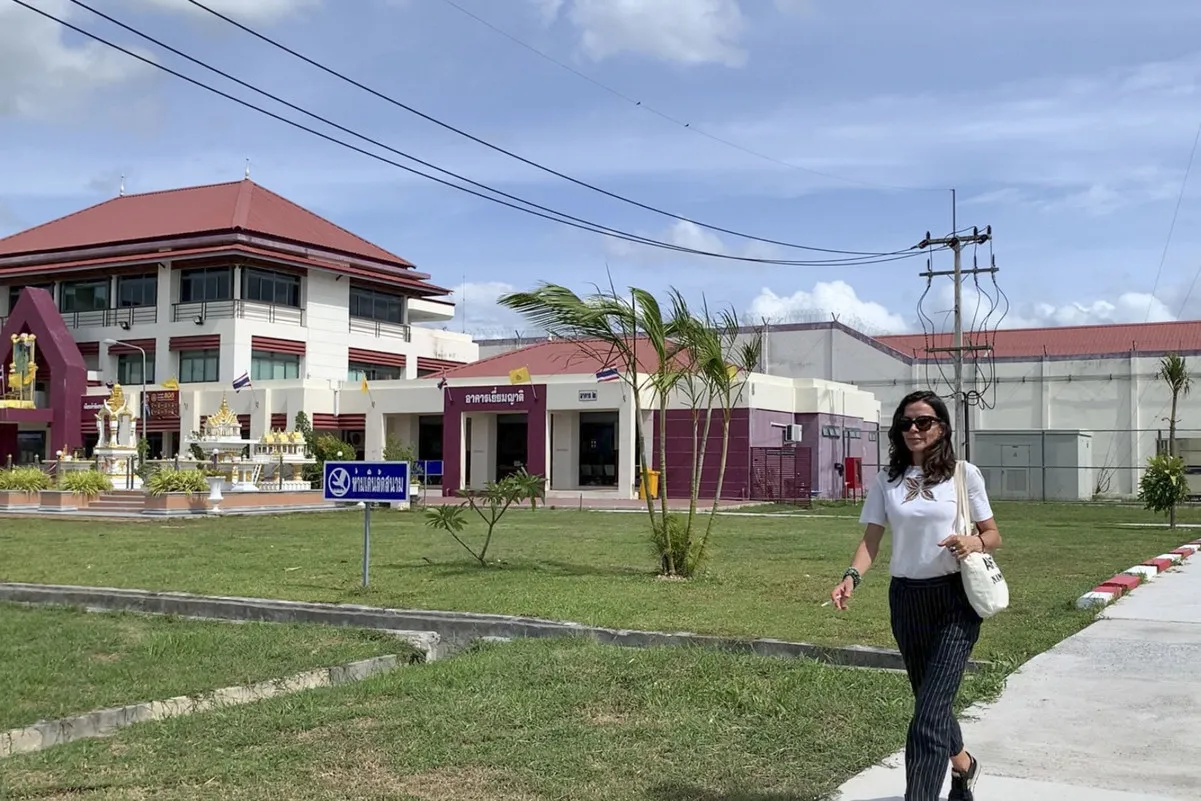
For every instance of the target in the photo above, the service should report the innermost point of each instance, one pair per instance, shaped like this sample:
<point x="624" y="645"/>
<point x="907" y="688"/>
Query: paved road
<point x="1110" y="714"/>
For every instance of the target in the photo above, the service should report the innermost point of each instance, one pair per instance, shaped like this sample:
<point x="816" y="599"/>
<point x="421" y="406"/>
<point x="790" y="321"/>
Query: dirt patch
<point x="604" y="714"/>
<point x="340" y="729"/>
<point x="106" y="657"/>
<point x="464" y="784"/>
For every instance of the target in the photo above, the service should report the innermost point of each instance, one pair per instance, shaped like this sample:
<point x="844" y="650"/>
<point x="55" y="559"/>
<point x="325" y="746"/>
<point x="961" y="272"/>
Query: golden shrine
<point x="21" y="375"/>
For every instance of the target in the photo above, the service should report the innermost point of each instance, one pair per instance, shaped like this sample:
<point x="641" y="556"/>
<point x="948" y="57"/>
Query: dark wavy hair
<point x="939" y="462"/>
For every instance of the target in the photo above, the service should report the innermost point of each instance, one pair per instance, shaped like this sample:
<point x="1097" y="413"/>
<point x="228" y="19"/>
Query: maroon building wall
<point x="827" y="451"/>
<point x="752" y="428"/>
<point x="679" y="454"/>
<point x="457" y="401"/>
<point x="60" y="364"/>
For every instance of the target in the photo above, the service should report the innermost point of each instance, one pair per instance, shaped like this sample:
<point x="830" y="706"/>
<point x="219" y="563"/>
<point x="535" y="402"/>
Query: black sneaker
<point x="962" y="783"/>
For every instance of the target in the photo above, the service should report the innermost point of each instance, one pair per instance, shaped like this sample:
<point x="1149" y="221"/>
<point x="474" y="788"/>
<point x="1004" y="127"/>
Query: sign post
<point x="366" y="483"/>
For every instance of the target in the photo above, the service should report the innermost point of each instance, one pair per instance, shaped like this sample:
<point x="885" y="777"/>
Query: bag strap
<point x="963" y="512"/>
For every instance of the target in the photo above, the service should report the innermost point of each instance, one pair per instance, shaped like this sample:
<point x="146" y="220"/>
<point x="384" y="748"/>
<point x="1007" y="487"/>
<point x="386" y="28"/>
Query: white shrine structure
<point x="116" y="449"/>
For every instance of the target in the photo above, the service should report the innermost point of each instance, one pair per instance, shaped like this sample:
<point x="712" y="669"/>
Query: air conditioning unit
<point x="792" y="433"/>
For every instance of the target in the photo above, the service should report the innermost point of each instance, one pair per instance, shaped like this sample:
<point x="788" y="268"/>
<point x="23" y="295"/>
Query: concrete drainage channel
<point x="437" y="634"/>
<point x="104" y="722"/>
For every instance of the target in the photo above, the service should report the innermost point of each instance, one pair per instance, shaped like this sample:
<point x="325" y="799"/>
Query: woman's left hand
<point x="962" y="546"/>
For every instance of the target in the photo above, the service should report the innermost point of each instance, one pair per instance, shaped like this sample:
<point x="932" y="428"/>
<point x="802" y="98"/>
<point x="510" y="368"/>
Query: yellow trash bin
<point x="649" y="484"/>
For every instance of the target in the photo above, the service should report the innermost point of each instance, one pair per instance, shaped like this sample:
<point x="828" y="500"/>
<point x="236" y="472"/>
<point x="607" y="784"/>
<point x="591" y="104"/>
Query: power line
<point x="561" y="217"/>
<point x="530" y="162"/>
<point x="1172" y="226"/>
<point x="675" y="120"/>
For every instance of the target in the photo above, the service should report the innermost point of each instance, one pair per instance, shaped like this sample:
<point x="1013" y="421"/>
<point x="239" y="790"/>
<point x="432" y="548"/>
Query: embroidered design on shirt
<point x="916" y="485"/>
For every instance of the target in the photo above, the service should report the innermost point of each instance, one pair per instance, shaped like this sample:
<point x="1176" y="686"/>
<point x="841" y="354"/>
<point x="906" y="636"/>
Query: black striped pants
<point x="935" y="628"/>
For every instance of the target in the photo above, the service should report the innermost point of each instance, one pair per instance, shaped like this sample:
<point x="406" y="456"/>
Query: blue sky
<point x="1067" y="126"/>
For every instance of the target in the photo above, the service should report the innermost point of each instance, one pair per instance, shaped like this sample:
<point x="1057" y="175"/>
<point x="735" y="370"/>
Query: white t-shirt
<point x="921" y="516"/>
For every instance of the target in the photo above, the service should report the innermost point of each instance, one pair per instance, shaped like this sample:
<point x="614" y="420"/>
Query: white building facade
<point x="184" y="292"/>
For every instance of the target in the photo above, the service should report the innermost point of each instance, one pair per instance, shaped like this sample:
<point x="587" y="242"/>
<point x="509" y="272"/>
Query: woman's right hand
<point x="842" y="593"/>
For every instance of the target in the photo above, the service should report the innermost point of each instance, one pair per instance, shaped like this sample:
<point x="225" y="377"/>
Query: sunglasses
<point x="923" y="423"/>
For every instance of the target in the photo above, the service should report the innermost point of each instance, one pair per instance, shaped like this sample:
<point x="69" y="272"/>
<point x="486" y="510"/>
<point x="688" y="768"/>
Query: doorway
<point x="512" y="435"/>
<point x="598" y="449"/>
<point x="31" y="446"/>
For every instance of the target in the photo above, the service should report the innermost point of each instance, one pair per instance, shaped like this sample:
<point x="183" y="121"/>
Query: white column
<point x="564" y="462"/>
<point x="483" y="449"/>
<point x="1136" y="458"/>
<point x="373" y="443"/>
<point x="627" y="464"/>
<point x="410" y="373"/>
<point x="1044" y="395"/>
<point x="260" y="413"/>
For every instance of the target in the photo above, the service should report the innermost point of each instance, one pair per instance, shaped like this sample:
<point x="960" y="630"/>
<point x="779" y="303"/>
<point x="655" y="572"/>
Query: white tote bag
<point x="987" y="590"/>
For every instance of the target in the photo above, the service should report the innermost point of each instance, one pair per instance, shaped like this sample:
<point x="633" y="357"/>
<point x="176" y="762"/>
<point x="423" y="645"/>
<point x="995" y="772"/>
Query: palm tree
<point x="613" y="329"/>
<point x="1174" y="371"/>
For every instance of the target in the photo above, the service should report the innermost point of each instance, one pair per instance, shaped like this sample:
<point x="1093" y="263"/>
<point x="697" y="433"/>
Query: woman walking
<point x="934" y="624"/>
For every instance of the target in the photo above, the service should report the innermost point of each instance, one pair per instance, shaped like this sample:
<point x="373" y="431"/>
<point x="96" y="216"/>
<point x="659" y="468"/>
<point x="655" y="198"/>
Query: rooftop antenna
<point x="121" y="188"/>
<point x="248" y="169"/>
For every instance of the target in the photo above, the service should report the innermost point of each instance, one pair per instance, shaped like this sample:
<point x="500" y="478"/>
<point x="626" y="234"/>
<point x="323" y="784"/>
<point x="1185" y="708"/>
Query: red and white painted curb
<point x="1109" y="591"/>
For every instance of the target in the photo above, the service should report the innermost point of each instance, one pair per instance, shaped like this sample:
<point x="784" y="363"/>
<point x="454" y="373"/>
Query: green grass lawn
<point x="59" y="662"/>
<point x="769" y="576"/>
<point x="526" y="721"/>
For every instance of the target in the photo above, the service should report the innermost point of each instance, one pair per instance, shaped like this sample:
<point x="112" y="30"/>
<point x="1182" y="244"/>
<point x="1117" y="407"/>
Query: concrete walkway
<point x="1110" y="714"/>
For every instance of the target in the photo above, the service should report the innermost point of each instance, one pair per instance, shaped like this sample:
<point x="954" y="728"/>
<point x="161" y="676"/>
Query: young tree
<point x="1174" y="371"/>
<point x="490" y="505"/>
<point x="1163" y="485"/>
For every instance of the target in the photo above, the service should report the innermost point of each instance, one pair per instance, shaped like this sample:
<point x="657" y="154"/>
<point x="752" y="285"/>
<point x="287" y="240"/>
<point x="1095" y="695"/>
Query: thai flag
<point x="241" y="381"/>
<point x="607" y="374"/>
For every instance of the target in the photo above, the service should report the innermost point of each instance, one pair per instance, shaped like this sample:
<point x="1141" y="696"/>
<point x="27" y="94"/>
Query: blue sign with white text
<point x="367" y="482"/>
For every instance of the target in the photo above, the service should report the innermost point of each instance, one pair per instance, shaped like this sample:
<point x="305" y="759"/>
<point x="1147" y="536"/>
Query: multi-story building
<point x="200" y="286"/>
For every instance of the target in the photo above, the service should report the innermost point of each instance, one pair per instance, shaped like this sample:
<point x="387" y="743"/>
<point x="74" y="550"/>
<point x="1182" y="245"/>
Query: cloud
<point x="477" y="311"/>
<point x="827" y="300"/>
<point x="684" y="234"/>
<point x="43" y="76"/>
<point x="1127" y="307"/>
<point x="241" y="10"/>
<point x="687" y="33"/>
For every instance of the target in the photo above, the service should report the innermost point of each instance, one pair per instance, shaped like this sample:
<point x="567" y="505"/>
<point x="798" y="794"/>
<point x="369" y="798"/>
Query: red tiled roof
<point x="407" y="278"/>
<point x="1067" y="341"/>
<point x="239" y="206"/>
<point x="554" y="358"/>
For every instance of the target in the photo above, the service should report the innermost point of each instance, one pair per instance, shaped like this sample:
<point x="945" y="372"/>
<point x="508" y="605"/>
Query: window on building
<point x="129" y="368"/>
<point x="84" y="296"/>
<point x="206" y="283"/>
<point x="137" y="290"/>
<point x="270" y="286"/>
<point x="375" y="304"/>
<point x="268" y="366"/>
<point x="14" y="292"/>
<point x="426" y="372"/>
<point x="357" y="371"/>
<point x="198" y="366"/>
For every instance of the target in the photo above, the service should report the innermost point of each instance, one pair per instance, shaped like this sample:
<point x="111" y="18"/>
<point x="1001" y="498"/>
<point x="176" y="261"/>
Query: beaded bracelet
<point x="854" y="576"/>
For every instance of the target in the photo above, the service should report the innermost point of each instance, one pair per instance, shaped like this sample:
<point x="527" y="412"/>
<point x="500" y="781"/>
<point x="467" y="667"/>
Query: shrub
<point x="688" y="553"/>
<point x="170" y="480"/>
<point x="88" y="483"/>
<point x="1163" y="485"/>
<point x="24" y="479"/>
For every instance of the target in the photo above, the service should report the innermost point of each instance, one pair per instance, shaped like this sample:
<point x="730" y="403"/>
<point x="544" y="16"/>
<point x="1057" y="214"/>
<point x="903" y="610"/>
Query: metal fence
<point x="1062" y="465"/>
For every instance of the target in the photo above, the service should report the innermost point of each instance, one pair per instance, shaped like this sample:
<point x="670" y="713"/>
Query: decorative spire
<point x="224" y="416"/>
<point x="247" y="169"/>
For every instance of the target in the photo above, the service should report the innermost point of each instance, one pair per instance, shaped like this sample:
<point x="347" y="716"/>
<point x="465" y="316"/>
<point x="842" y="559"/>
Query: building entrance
<point x="598" y="449"/>
<point x="31" y="446"/>
<point x="512" y="445"/>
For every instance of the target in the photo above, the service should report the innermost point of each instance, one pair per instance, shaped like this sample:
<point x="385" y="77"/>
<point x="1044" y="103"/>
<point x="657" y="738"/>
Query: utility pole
<point x="959" y="398"/>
